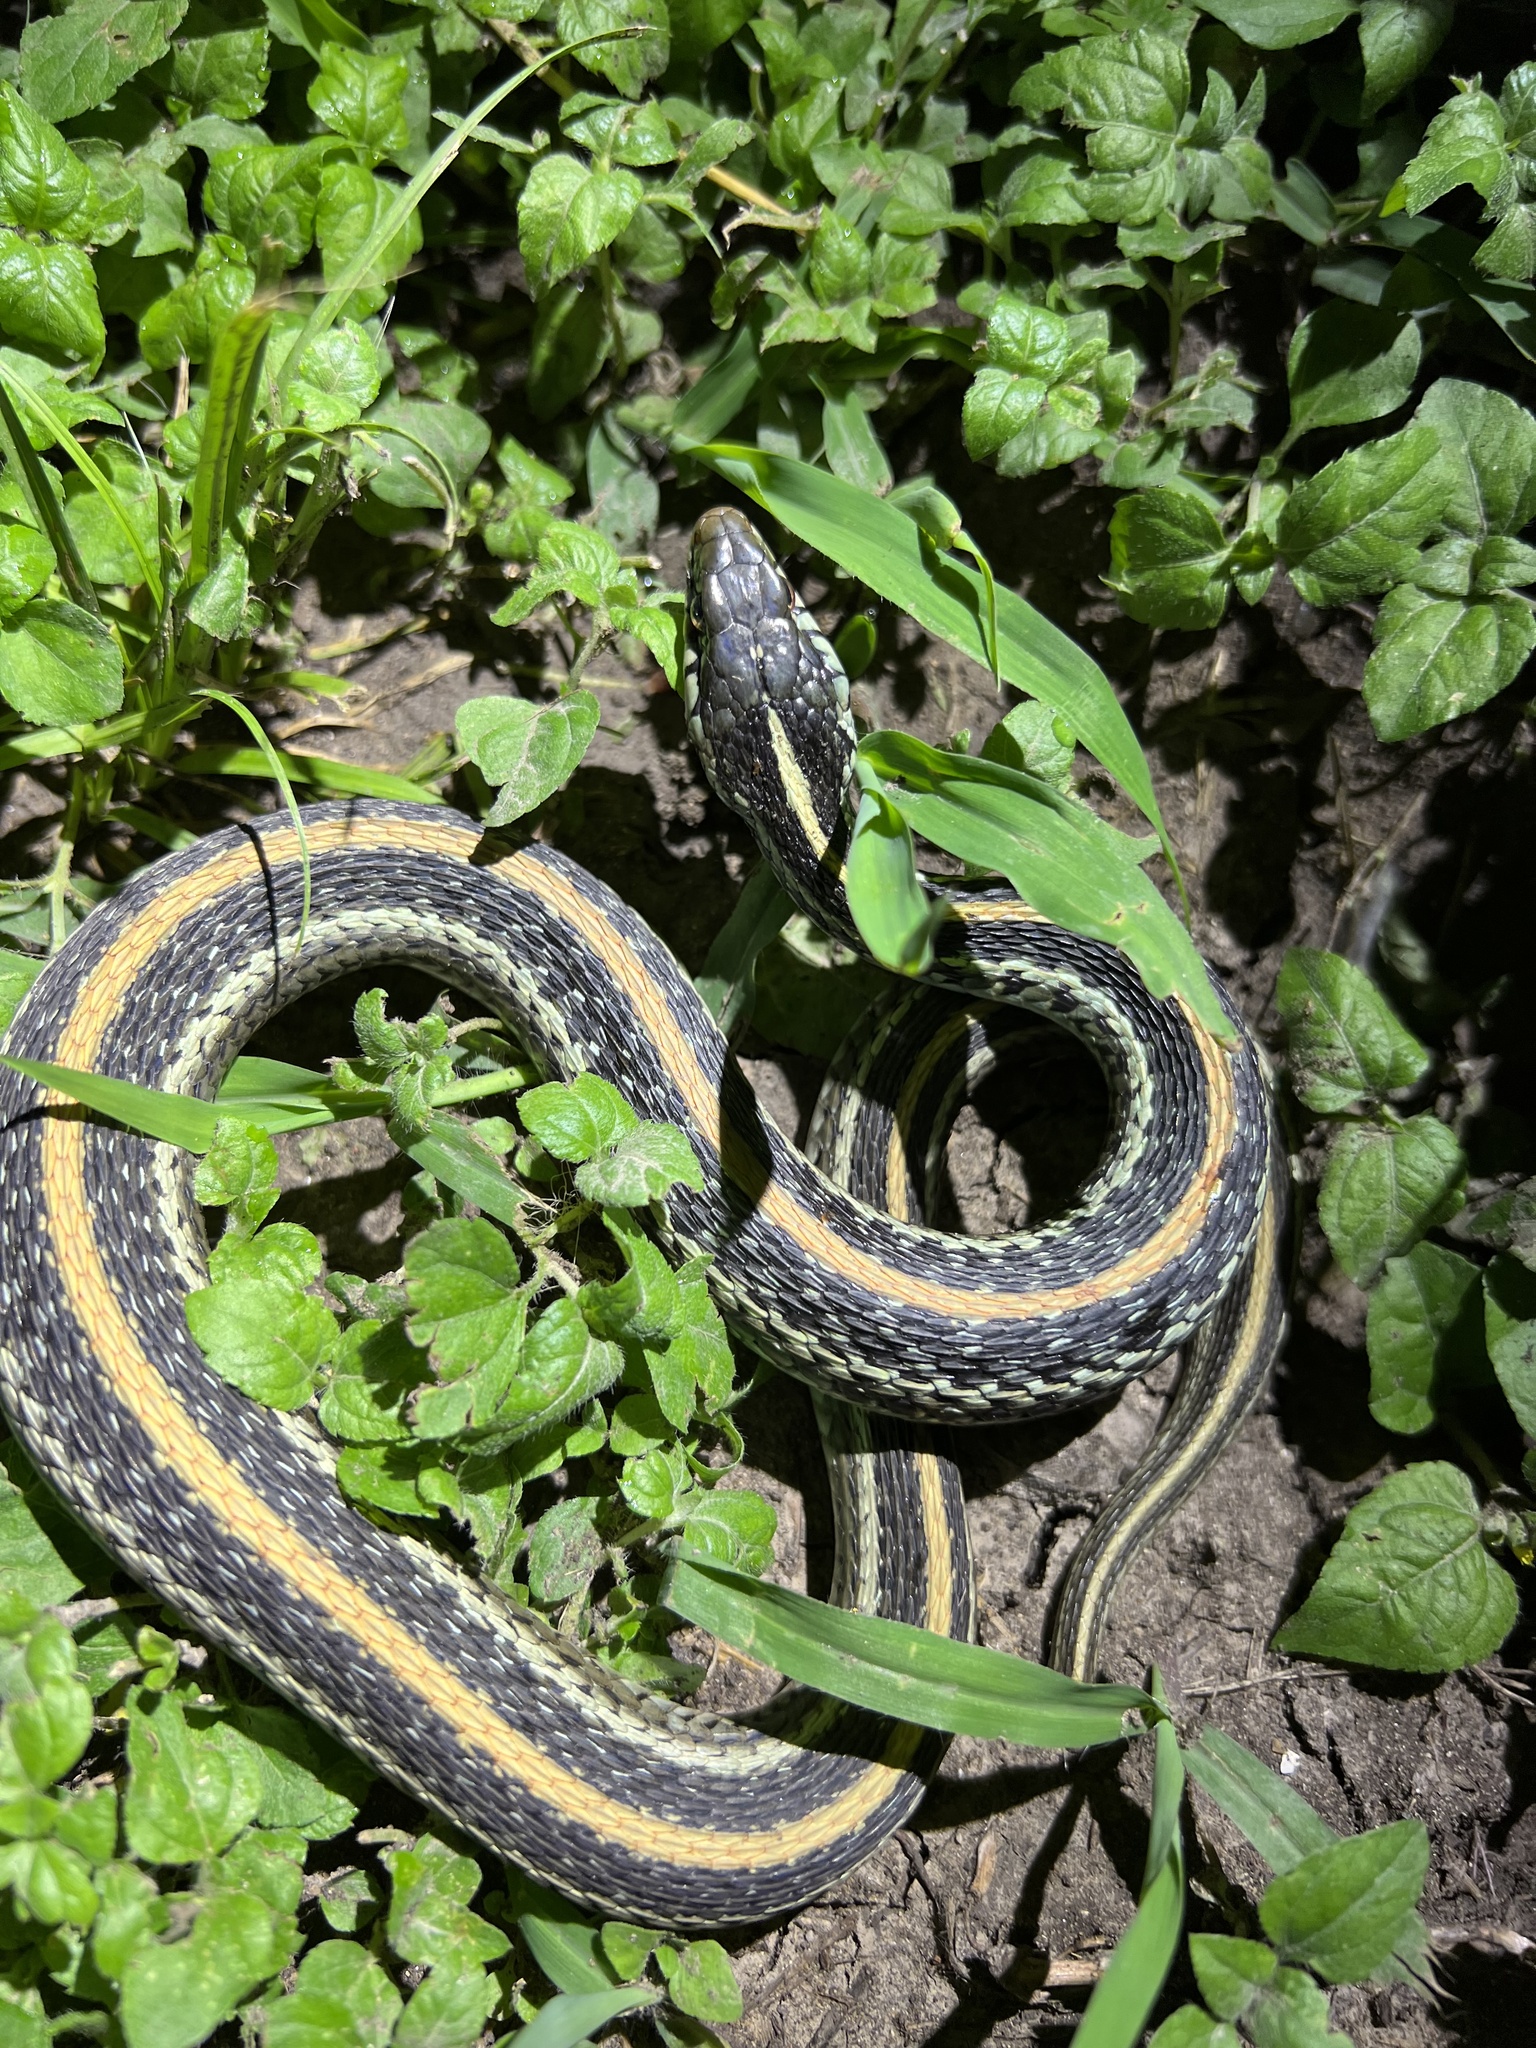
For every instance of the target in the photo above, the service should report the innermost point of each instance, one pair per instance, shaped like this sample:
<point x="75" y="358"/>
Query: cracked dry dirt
<point x="986" y="1921"/>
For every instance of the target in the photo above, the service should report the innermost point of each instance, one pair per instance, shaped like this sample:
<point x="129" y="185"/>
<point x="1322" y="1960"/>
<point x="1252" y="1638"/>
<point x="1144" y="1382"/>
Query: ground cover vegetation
<point x="764" y="244"/>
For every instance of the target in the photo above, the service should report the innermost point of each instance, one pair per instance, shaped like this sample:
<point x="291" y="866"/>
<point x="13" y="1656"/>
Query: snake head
<point x="766" y="697"/>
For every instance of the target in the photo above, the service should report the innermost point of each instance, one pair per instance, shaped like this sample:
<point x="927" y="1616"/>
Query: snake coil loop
<point x="230" y="1512"/>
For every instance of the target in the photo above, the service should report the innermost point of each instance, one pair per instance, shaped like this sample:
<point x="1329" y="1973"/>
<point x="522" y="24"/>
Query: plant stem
<point x="58" y="874"/>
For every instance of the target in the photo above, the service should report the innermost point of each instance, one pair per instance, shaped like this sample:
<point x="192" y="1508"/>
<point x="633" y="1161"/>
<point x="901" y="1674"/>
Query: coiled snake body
<point x="230" y="1511"/>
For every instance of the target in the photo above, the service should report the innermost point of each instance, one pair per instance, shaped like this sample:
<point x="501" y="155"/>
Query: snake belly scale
<point x="230" y="1512"/>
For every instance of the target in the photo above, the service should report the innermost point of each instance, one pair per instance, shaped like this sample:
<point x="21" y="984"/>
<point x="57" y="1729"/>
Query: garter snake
<point x="229" y="1511"/>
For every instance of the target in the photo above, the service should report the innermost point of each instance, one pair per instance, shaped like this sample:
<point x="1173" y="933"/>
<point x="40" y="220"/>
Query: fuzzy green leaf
<point x="59" y="665"/>
<point x="1341" y="1911"/>
<point x="1438" y="658"/>
<point x="1344" y="1041"/>
<point x="1409" y="1585"/>
<point x="1169" y="559"/>
<point x="77" y="59"/>
<point x="567" y="212"/>
<point x="1350" y="363"/>
<point x="1424" y="1336"/>
<point x="1356" y="526"/>
<point x="1384" y="1188"/>
<point x="526" y="751"/>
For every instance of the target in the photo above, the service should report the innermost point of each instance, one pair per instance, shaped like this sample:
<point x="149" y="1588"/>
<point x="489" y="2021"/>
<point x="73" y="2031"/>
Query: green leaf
<point x="1189" y="2027"/>
<point x="1463" y="145"/>
<point x="644" y="1165"/>
<point x="1230" y="1972"/>
<point x="309" y="1783"/>
<point x="895" y="916"/>
<point x="1169" y="559"/>
<point x="52" y="1884"/>
<point x="1488" y="447"/>
<point x="222" y="73"/>
<point x="238" y="1173"/>
<point x="264" y="1338"/>
<point x="217" y="482"/>
<point x="341" y="1998"/>
<point x="569" y="211"/>
<point x="431" y="1886"/>
<point x="1279" y="24"/>
<point x="1344" y="1041"/>
<point x="336" y="379"/>
<point x="26" y="563"/>
<point x="1385" y="1187"/>
<point x="419" y="452"/>
<point x="1409" y="1585"/>
<point x="727" y="980"/>
<point x="852" y="446"/>
<point x="1397" y="40"/>
<point x="1124" y="1996"/>
<point x="732" y="1527"/>
<point x="564" y="1550"/>
<point x="361" y="96"/>
<point x="32" y="1566"/>
<point x="702" y="1983"/>
<point x="1340" y="1911"/>
<point x="449" y="2010"/>
<point x="175" y="1993"/>
<point x="1356" y="526"/>
<point x="893" y="1668"/>
<point x="365" y="243"/>
<point x="526" y="751"/>
<point x="519" y="515"/>
<point x="627" y="65"/>
<point x="112" y="514"/>
<point x="1349" y="363"/>
<point x="43" y="184"/>
<point x="1269" y="1813"/>
<point x="578" y="1119"/>
<point x="48" y="294"/>
<point x="59" y="665"/>
<point x="1509" y="1288"/>
<point x="189" y="319"/>
<point x="1061" y="858"/>
<point x="78" y="59"/>
<point x="1424" y="1336"/>
<point x="187" y="1798"/>
<point x="876" y="542"/>
<point x="1130" y="93"/>
<point x="49" y="1727"/>
<point x="570" y="340"/>
<point x="1437" y="659"/>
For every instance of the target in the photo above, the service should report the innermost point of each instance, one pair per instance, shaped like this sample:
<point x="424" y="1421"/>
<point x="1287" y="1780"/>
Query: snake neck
<point x="767" y="705"/>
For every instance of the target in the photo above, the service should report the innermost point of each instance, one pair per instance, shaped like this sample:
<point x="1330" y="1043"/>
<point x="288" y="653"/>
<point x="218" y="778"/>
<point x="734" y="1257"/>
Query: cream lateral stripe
<point x="820" y="1243"/>
<point x="221" y="1488"/>
<point x="1213" y="1425"/>
<point x="938" y="1545"/>
<point x="898" y="1150"/>
<point x="797" y="790"/>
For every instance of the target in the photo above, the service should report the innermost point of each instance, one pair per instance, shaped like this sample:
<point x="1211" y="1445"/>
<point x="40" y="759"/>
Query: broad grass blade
<point x="570" y="2018"/>
<point x="455" y="1156"/>
<point x="1062" y="859"/>
<point x="174" y="1119"/>
<point x="1124" y="1996"/>
<point x="893" y="1668"/>
<point x="341" y="778"/>
<point x="232" y="380"/>
<point x="22" y="461"/>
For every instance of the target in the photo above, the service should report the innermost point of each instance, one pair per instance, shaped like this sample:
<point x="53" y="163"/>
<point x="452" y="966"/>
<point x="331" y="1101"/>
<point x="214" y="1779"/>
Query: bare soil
<point x="985" y="1923"/>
